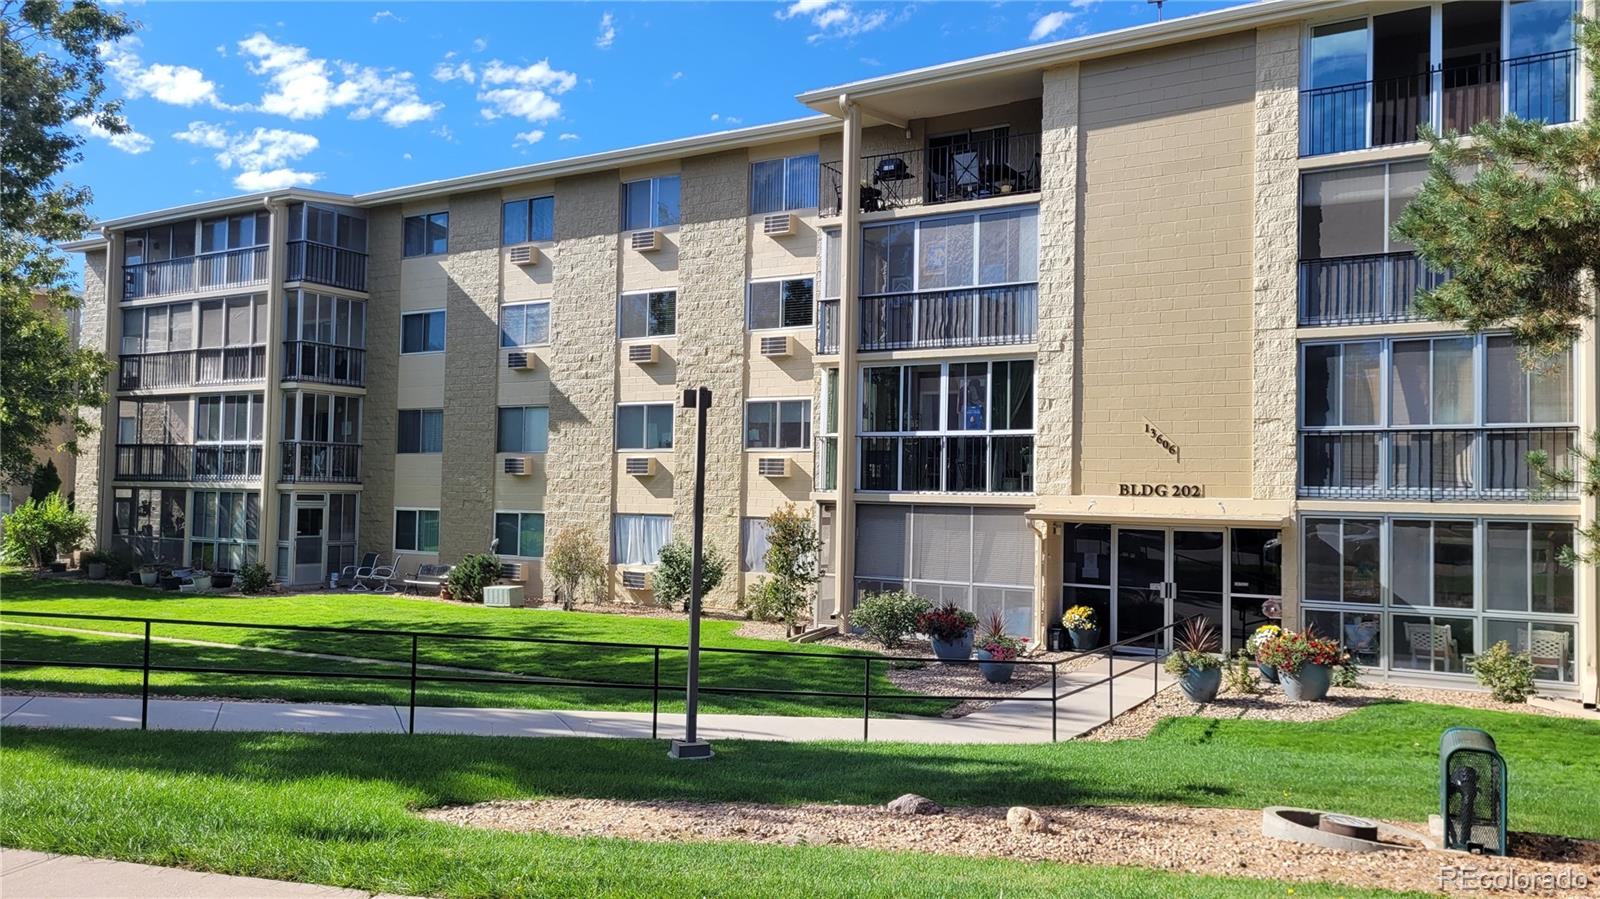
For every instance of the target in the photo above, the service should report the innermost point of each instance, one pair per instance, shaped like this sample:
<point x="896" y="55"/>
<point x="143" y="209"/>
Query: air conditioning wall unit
<point x="635" y="579"/>
<point x="513" y="571"/>
<point x="644" y="353"/>
<point x="521" y="360"/>
<point x="773" y="466"/>
<point x="523" y="254"/>
<point x="777" y="346"/>
<point x="640" y="466"/>
<point x="779" y="224"/>
<point x="521" y="466"/>
<point x="645" y="241"/>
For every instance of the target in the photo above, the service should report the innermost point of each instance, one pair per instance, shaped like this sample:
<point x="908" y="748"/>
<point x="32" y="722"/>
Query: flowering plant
<point x="1289" y="651"/>
<point x="948" y="623"/>
<point x="1263" y="633"/>
<point x="1078" y="618"/>
<point x="1001" y="646"/>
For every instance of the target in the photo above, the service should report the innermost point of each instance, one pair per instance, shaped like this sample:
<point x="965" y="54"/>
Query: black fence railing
<point x="186" y="368"/>
<point x="941" y="172"/>
<point x="178" y="462"/>
<point x="1438" y="464"/>
<point x="980" y="463"/>
<point x="324" y="363"/>
<point x="320" y="263"/>
<point x="1354" y="290"/>
<point x="309" y="461"/>
<point x="965" y="317"/>
<point x="421" y="673"/>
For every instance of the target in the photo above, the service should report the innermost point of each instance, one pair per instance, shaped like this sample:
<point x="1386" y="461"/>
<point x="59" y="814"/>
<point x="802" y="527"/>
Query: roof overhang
<point x="1158" y="510"/>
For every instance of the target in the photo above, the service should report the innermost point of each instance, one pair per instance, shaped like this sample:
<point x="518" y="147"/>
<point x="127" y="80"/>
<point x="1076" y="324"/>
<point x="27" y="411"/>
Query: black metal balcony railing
<point x="186" y="368"/>
<point x="928" y="176"/>
<point x="320" y="263"/>
<point x="324" y="363"/>
<point x="1388" y="111"/>
<point x="1444" y="464"/>
<point x="981" y="463"/>
<point x="966" y="317"/>
<point x="181" y="462"/>
<point x="224" y="268"/>
<point x="1353" y="290"/>
<point x="319" y="462"/>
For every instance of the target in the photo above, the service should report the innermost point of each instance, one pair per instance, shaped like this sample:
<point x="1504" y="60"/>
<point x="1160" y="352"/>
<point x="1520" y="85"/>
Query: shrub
<point x="46" y="480"/>
<point x="1001" y="646"/>
<point x="468" y="577"/>
<point x="1194" y="650"/>
<point x="1289" y="650"/>
<point x="39" y="530"/>
<point x="1507" y="674"/>
<point x="673" y="573"/>
<point x="947" y="623"/>
<point x="1263" y="633"/>
<point x="1240" y="676"/>
<point x="576" y="561"/>
<point x="1347" y="673"/>
<point x="791" y="565"/>
<point x="1078" y="618"/>
<point x="253" y="578"/>
<point x="889" y="617"/>
<point x="776" y="599"/>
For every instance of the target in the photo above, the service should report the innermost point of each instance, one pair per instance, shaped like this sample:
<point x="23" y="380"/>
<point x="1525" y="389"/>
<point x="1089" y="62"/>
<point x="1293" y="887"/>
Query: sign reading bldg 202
<point x="1193" y="491"/>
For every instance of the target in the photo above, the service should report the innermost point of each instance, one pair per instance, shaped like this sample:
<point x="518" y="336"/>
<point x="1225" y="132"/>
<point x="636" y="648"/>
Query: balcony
<point x="1359" y="290"/>
<point x="1447" y="464"/>
<point x="306" y="461"/>
<point x="225" y="268"/>
<point x="982" y="167"/>
<point x="189" y="368"/>
<point x="1380" y="113"/>
<point x="178" y="462"/>
<point x="980" y="463"/>
<point x="320" y="263"/>
<point x="967" y="317"/>
<point x="324" y="363"/>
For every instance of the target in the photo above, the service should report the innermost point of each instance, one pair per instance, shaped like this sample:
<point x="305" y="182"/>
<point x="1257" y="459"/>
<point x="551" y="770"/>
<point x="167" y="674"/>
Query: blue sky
<point x="226" y="98"/>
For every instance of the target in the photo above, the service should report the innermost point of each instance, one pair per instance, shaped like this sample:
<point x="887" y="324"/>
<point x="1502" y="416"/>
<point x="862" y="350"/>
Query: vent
<point x="780" y="224"/>
<point x="645" y="241"/>
<point x="774" y="347"/>
<point x="520" y="361"/>
<point x="642" y="353"/>
<point x="513" y="571"/>
<point x="635" y="579"/>
<point x="523" y="254"/>
<point x="773" y="466"/>
<point x="640" y="466"/>
<point x="521" y="466"/>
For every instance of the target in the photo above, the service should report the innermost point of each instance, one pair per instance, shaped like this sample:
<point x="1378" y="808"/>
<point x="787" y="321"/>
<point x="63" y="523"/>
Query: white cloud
<point x="276" y="179"/>
<point x="177" y="85"/>
<point x="405" y="156"/>
<point x="129" y="141"/>
<point x="726" y="119"/>
<point x="261" y="156"/>
<point x="677" y="76"/>
<point x="306" y="87"/>
<point x="529" y="137"/>
<point x="834" y="18"/>
<point x="204" y="134"/>
<point x="382" y="14"/>
<point x="568" y="135"/>
<point x="479" y="44"/>
<point x="608" y="31"/>
<point x="524" y="92"/>
<point x="461" y="71"/>
<point x="1050" y="23"/>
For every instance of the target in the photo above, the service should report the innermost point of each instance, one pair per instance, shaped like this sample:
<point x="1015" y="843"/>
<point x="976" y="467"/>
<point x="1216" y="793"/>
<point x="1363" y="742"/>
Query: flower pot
<point x="169" y="583"/>
<point x="1201" y="685"/>
<point x="994" y="672"/>
<point x="58" y="568"/>
<point x="1085" y="638"/>
<point x="149" y="578"/>
<point x="1309" y="684"/>
<point x="953" y="650"/>
<point x="221" y="581"/>
<point x="1268" y="672"/>
<point x="97" y="571"/>
<point x="201" y="581"/>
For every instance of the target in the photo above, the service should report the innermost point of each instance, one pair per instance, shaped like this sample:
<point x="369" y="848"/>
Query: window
<point x="753" y="544"/>
<point x="651" y="203"/>
<point x="416" y="530"/>
<point x="225" y="527"/>
<point x="951" y="252"/>
<point x="644" y="426"/>
<point x="777" y="424"/>
<point x="1431" y="382"/>
<point x="637" y="539"/>
<point x="1516" y="395"/>
<point x="421" y="431"/>
<point x="324" y="318"/>
<point x="1351" y="212"/>
<point x="522" y="221"/>
<point x="321" y="417"/>
<point x="525" y="324"/>
<point x="149" y="523"/>
<point x="159" y="329"/>
<point x="1342" y="385"/>
<point x="784" y="185"/>
<point x="779" y="304"/>
<point x="235" y="232"/>
<point x="427" y="235"/>
<point x="235" y="418"/>
<point x="521" y="534"/>
<point x="523" y="429"/>
<point x="652" y="314"/>
<point x="327" y="225"/>
<point x="158" y="244"/>
<point x="422" y="332"/>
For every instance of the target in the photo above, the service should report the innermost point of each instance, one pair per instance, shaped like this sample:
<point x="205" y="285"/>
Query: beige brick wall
<point x="1277" y="130"/>
<point x="466" y="498"/>
<point x="1168" y="196"/>
<point x="1056" y="382"/>
<point x="378" y="423"/>
<point x="94" y="334"/>
<point x="654" y="382"/>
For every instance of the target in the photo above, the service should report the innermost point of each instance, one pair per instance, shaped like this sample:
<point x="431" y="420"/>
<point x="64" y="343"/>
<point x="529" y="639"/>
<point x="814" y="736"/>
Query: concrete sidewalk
<point x="41" y="875"/>
<point x="1004" y="722"/>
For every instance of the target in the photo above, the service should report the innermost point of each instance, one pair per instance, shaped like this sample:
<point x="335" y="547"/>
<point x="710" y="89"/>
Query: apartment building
<point x="1116" y="321"/>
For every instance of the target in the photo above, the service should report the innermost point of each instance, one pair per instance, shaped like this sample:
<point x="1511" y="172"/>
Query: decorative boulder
<point x="1022" y="819"/>
<point x="912" y="804"/>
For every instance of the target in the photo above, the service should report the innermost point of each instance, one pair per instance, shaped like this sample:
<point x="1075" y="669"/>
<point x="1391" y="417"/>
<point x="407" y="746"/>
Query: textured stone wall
<point x="713" y="246"/>
<point x="1277" y="130"/>
<point x="471" y="375"/>
<point x="1056" y="379"/>
<point x="378" y="421"/>
<point x="583" y="338"/>
<point x="93" y="334"/>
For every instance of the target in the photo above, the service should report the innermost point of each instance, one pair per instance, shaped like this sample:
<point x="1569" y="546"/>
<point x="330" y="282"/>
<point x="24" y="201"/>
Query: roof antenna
<point x="1158" y="7"/>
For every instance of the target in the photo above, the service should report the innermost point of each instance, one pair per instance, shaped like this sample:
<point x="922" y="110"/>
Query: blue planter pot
<point x="1201" y="686"/>
<point x="1309" y="684"/>
<point x="994" y="672"/>
<point x="1268" y="672"/>
<point x="1085" y="639"/>
<point x="954" y="650"/>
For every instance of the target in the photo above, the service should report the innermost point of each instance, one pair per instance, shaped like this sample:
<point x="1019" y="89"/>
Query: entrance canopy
<point x="1164" y="510"/>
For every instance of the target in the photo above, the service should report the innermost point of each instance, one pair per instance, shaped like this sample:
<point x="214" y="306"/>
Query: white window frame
<point x="646" y="294"/>
<point x="524" y="306"/>
<point x="416" y="533"/>
<point x="749" y="301"/>
<point x="785" y="205"/>
<point x="444" y="319"/>
<point x="494" y="528"/>
<point x="530" y="200"/>
<point x="427" y="220"/>
<point x="655" y="203"/>
<point x="976" y="220"/>
<point x="420" y="413"/>
<point x="616" y="430"/>
<point x="777" y="404"/>
<point x="522" y="408"/>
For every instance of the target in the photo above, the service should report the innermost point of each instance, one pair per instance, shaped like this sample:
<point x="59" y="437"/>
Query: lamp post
<point x="691" y="747"/>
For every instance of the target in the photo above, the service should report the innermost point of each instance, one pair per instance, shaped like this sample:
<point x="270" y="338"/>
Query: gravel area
<point x="1175" y="838"/>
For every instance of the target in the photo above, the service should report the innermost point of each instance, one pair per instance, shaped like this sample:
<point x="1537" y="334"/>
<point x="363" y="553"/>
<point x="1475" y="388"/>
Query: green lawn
<point x="19" y="592"/>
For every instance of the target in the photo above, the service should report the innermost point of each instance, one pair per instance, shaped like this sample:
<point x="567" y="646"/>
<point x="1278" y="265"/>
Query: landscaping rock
<point x="1022" y="819"/>
<point x="912" y="804"/>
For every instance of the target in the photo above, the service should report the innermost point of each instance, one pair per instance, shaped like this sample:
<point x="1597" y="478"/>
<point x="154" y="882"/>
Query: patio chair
<point x="428" y="577"/>
<point x="349" y="573"/>
<point x="1430" y="643"/>
<point x="966" y="171"/>
<point x="1547" y="649"/>
<point x="377" y="579"/>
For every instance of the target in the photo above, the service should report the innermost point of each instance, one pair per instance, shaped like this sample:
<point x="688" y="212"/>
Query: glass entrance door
<point x="1197" y="582"/>
<point x="308" y="535"/>
<point x="1141" y="583"/>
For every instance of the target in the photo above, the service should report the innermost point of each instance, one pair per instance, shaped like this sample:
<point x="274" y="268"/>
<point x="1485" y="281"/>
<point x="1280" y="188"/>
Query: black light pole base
<point x="689" y="749"/>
